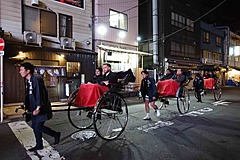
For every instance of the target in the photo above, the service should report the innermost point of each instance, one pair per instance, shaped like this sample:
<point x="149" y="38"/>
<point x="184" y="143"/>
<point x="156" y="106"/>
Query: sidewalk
<point x="10" y="109"/>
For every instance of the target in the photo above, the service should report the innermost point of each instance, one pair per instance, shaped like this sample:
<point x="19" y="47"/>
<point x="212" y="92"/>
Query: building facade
<point x="212" y="49"/>
<point x="54" y="35"/>
<point x="178" y="33"/>
<point x="116" y="32"/>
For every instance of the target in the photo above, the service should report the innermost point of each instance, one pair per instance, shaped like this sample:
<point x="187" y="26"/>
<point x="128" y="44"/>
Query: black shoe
<point x="89" y="115"/>
<point x="57" y="138"/>
<point x="166" y="102"/>
<point x="35" y="148"/>
<point x="99" y="116"/>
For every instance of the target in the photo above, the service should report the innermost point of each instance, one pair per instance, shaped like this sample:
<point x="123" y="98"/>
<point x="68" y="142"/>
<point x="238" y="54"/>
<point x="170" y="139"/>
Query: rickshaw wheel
<point x="217" y="92"/>
<point x="110" y="116"/>
<point x="79" y="117"/>
<point x="183" y="100"/>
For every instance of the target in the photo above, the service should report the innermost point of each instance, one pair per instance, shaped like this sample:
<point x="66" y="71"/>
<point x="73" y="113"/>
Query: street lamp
<point x="122" y="34"/>
<point x="102" y="30"/>
<point x="139" y="38"/>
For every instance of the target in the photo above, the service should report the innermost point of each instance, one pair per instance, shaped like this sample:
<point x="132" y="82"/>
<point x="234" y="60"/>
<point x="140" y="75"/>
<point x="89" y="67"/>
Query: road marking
<point x="198" y="112"/>
<point x="153" y="126"/>
<point x="160" y="124"/>
<point x="225" y="103"/>
<point x="25" y="136"/>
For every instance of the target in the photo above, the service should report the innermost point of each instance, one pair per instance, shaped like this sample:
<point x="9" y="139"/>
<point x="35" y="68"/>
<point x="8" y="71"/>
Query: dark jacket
<point x="111" y="77"/>
<point x="38" y="97"/>
<point x="96" y="79"/>
<point x="180" y="79"/>
<point x="148" y="87"/>
<point x="167" y="76"/>
<point x="198" y="83"/>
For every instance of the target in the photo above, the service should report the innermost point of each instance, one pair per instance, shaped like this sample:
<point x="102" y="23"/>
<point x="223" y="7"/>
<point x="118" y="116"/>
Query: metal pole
<point x="155" y="31"/>
<point x="1" y="85"/>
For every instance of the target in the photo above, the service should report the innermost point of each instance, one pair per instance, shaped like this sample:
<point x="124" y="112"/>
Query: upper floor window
<point x="181" y="21"/>
<point x="206" y="37"/>
<point x="39" y="20"/>
<point x="118" y="20"/>
<point x="65" y="25"/>
<point x="218" y="41"/>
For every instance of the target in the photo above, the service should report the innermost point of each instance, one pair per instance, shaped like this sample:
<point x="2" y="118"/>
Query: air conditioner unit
<point x="67" y="43"/>
<point x="32" y="38"/>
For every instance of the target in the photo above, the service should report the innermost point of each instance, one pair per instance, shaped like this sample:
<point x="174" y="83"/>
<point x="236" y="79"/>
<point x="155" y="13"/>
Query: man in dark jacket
<point x="149" y="92"/>
<point x="37" y="102"/>
<point x="109" y="77"/>
<point x="198" y="85"/>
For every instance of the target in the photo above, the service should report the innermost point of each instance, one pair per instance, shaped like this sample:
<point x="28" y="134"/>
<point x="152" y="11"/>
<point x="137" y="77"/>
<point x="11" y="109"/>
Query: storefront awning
<point x="113" y="49"/>
<point x="234" y="67"/>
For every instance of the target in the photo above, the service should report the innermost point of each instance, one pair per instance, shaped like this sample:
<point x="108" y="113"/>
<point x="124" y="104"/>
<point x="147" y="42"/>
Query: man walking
<point x="37" y="102"/>
<point x="149" y="92"/>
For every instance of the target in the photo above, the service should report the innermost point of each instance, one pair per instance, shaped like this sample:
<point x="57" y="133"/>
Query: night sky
<point x="228" y="14"/>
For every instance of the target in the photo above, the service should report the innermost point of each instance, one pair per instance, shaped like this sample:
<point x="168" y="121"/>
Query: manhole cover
<point x="83" y="135"/>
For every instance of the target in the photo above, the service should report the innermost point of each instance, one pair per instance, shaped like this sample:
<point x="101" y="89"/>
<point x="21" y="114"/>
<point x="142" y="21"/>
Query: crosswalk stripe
<point x="25" y="136"/>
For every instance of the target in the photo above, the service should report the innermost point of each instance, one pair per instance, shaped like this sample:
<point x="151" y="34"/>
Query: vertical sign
<point x="1" y="75"/>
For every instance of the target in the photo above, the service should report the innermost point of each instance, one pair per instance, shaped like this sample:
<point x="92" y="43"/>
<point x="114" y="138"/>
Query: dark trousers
<point x="199" y="97"/>
<point x="38" y="129"/>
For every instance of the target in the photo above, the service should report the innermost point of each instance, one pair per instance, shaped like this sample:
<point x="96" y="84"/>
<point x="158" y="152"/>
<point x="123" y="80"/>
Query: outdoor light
<point x="102" y="30"/>
<point x="122" y="34"/>
<point x="138" y="38"/>
<point x="88" y="42"/>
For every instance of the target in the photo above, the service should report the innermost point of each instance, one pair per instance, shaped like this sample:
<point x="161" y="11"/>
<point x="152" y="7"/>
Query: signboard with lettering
<point x="76" y="3"/>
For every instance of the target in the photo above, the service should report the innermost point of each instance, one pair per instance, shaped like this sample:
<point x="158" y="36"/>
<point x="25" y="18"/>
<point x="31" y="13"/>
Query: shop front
<point x="61" y="71"/>
<point x="122" y="59"/>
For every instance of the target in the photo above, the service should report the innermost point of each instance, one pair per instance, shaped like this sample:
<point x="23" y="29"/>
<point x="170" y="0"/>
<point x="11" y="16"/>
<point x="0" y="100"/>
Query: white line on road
<point x="221" y="102"/>
<point x="25" y="136"/>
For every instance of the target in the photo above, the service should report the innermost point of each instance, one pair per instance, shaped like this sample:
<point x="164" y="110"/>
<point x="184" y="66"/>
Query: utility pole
<point x="155" y="34"/>
<point x="162" y="63"/>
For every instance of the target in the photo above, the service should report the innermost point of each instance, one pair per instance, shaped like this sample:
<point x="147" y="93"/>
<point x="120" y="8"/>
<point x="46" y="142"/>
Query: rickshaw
<point x="109" y="115"/>
<point x="211" y="84"/>
<point x="182" y="95"/>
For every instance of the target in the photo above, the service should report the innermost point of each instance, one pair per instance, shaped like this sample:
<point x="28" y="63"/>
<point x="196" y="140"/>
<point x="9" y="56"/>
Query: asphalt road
<point x="210" y="131"/>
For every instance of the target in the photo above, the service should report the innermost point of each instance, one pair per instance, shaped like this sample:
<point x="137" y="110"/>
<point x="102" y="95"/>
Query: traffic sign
<point x="1" y="44"/>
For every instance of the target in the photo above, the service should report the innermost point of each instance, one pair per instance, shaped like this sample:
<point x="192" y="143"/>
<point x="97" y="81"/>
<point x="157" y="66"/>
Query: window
<point x="218" y="41"/>
<point x="48" y="23"/>
<point x="65" y="26"/>
<point x="118" y="20"/>
<point x="206" y="37"/>
<point x="180" y="21"/>
<point x="190" y="25"/>
<point x="181" y="49"/>
<point x="40" y="21"/>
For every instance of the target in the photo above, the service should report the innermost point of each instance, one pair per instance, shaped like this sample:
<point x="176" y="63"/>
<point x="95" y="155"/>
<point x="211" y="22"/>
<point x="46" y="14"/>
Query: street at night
<point x="209" y="131"/>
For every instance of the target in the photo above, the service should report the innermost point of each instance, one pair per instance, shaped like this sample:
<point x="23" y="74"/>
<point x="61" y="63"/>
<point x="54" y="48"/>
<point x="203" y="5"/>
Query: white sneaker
<point x="147" y="118"/>
<point x="158" y="113"/>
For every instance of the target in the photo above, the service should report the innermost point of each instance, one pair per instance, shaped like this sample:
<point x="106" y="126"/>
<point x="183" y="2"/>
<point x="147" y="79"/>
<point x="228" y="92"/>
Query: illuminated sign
<point x="76" y="3"/>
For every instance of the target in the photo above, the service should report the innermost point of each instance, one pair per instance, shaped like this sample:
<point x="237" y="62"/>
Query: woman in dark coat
<point x="98" y="76"/>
